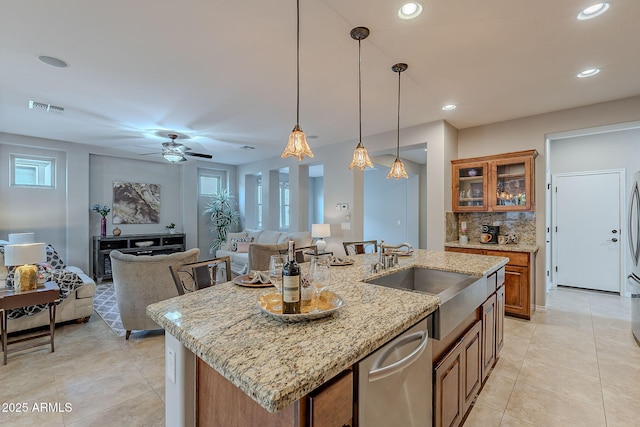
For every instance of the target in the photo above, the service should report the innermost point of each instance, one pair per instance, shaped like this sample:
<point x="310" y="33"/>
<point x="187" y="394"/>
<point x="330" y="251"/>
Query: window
<point x="32" y="171"/>
<point x="259" y="199"/>
<point x="210" y="184"/>
<point x="284" y="205"/>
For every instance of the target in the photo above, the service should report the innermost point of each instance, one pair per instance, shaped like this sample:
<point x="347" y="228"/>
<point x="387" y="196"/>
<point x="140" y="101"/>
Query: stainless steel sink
<point x="460" y="294"/>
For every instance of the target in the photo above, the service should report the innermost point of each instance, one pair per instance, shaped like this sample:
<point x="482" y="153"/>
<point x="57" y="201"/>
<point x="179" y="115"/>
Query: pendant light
<point x="297" y="145"/>
<point x="397" y="169"/>
<point x="360" y="155"/>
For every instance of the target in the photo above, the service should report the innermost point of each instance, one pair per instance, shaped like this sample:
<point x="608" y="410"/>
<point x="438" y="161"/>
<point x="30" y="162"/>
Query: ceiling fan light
<point x="397" y="170"/>
<point x="361" y="158"/>
<point x="297" y="146"/>
<point x="173" y="156"/>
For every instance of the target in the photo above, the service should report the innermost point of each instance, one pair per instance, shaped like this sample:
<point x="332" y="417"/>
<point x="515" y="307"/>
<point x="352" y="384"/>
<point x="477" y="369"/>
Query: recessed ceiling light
<point x="593" y="11"/>
<point x="449" y="107"/>
<point x="410" y="10"/>
<point x="588" y="73"/>
<point x="54" y="62"/>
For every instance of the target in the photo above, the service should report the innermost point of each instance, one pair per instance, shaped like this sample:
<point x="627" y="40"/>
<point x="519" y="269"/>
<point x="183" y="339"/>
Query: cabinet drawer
<point x="515" y="258"/>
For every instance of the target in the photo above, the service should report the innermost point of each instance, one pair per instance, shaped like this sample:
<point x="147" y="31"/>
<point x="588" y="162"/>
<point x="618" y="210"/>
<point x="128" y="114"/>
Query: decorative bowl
<point x="144" y="244"/>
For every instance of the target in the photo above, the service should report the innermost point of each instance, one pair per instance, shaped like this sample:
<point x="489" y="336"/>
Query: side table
<point x="9" y="299"/>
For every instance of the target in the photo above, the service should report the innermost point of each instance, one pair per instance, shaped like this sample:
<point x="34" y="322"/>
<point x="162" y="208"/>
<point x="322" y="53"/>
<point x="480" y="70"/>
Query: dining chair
<point x="304" y="253"/>
<point x="260" y="254"/>
<point x="201" y="274"/>
<point x="362" y="247"/>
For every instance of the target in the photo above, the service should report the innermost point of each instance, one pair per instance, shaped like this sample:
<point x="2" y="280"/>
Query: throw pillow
<point x="54" y="259"/>
<point x="226" y="246"/>
<point x="236" y="240"/>
<point x="243" y="247"/>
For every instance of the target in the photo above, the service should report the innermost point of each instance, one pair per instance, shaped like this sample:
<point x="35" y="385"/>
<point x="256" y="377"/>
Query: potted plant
<point x="222" y="213"/>
<point x="103" y="210"/>
<point x="172" y="228"/>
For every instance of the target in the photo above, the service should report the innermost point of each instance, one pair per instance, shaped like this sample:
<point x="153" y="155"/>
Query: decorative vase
<point x="116" y="231"/>
<point x="172" y="231"/>
<point x="103" y="227"/>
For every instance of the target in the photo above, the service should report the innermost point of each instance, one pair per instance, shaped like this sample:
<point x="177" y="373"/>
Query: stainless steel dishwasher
<point x="395" y="381"/>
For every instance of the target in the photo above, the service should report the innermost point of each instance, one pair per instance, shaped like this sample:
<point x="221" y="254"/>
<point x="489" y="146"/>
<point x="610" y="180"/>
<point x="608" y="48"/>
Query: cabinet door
<point x="447" y="389"/>
<point x="332" y="406"/>
<point x="469" y="186"/>
<point x="471" y="356"/>
<point x="499" y="319"/>
<point x="516" y="298"/>
<point x="488" y="311"/>
<point x="511" y="184"/>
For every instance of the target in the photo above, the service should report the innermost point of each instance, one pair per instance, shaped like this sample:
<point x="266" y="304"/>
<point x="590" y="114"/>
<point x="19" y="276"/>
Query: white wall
<point x="530" y="133"/>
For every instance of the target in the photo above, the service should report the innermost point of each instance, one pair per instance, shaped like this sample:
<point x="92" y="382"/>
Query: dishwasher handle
<point x="379" y="372"/>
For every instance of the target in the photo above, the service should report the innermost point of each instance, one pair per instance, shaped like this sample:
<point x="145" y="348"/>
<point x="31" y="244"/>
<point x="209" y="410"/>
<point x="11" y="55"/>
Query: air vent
<point x="33" y="105"/>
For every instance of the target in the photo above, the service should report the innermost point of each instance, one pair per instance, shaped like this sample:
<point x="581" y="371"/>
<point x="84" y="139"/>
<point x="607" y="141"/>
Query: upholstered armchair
<point x="260" y="254"/>
<point x="143" y="280"/>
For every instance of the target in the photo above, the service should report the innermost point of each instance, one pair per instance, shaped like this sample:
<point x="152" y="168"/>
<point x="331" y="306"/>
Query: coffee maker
<point x="490" y="234"/>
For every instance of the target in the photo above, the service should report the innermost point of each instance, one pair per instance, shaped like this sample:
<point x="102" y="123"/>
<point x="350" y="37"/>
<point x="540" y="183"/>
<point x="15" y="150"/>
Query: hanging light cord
<point x="298" y="64"/>
<point x="398" y="139"/>
<point x="359" y="89"/>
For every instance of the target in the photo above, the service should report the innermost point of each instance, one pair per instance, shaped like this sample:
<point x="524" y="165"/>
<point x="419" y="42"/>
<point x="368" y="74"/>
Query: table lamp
<point x="320" y="231"/>
<point x="24" y="256"/>
<point x="19" y="238"/>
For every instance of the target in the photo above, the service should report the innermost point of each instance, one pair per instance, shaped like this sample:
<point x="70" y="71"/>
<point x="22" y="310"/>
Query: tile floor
<point x="576" y="364"/>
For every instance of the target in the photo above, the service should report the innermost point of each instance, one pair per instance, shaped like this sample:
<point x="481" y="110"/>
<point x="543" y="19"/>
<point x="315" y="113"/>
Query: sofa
<point x="237" y="245"/>
<point x="77" y="291"/>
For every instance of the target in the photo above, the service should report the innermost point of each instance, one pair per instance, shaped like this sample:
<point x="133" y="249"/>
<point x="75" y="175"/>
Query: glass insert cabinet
<point x="503" y="182"/>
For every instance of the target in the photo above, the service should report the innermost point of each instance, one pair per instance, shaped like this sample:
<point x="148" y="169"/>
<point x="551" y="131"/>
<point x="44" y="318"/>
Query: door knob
<point x="614" y="240"/>
<point x="614" y="231"/>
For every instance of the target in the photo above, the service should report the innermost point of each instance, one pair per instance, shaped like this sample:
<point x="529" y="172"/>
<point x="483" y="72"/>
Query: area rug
<point x="104" y="303"/>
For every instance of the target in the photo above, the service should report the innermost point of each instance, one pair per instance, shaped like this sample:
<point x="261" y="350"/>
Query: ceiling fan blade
<point x="201" y="155"/>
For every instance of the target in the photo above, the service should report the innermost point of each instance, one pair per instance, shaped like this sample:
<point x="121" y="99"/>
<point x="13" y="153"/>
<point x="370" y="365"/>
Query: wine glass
<point x="320" y="275"/>
<point x="275" y="270"/>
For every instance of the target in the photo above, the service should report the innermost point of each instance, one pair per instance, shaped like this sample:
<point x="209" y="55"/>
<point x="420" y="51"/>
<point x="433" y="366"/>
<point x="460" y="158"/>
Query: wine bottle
<point x="291" y="283"/>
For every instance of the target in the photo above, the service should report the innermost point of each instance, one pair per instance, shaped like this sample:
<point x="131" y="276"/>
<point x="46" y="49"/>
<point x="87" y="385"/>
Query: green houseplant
<point x="222" y="213"/>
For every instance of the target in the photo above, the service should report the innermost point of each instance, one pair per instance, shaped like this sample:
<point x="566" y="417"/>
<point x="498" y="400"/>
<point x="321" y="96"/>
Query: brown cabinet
<point x="448" y="388"/>
<point x="499" y="319"/>
<point x="503" y="182"/>
<point x="332" y="404"/>
<point x="488" y="316"/>
<point x="519" y="287"/>
<point x="457" y="378"/>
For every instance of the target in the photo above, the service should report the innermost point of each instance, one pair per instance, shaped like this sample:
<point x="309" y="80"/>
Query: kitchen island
<point x="275" y="363"/>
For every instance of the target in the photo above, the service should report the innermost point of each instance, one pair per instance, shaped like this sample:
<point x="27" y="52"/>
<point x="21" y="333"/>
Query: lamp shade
<point x="320" y="230"/>
<point x="28" y="253"/>
<point x="19" y="238"/>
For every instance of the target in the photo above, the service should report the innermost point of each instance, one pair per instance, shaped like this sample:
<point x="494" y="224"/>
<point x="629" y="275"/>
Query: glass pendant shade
<point x="297" y="146"/>
<point x="361" y="158"/>
<point x="397" y="170"/>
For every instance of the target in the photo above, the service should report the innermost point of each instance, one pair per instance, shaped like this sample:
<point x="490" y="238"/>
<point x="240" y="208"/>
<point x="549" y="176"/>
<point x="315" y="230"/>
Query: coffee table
<point x="48" y="294"/>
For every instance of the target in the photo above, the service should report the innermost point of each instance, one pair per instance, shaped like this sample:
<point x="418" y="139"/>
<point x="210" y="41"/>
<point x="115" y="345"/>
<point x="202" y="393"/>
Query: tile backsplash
<point x="522" y="224"/>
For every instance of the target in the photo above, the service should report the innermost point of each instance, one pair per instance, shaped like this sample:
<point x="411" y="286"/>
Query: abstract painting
<point x="135" y="203"/>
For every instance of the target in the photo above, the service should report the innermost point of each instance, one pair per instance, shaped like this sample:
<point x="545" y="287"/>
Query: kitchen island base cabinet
<point x="222" y="404"/>
<point x="458" y="379"/>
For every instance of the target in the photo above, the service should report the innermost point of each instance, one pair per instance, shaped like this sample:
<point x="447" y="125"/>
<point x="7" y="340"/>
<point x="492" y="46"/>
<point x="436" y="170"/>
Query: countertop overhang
<point x="278" y="363"/>
<point x="518" y="247"/>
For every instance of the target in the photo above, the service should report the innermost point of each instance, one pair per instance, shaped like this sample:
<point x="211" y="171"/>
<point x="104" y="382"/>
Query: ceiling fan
<point x="175" y="152"/>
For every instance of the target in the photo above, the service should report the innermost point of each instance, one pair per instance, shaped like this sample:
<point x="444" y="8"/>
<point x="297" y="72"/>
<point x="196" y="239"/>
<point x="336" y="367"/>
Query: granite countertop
<point x="278" y="363"/>
<point x="519" y="247"/>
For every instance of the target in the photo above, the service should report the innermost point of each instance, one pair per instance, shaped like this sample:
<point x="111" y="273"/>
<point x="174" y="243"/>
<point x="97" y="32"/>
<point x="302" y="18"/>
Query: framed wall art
<point x="136" y="203"/>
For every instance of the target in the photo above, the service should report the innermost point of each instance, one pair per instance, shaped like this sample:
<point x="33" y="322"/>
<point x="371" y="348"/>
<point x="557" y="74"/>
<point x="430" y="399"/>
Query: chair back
<point x="140" y="280"/>
<point x="362" y="247"/>
<point x="260" y="254"/>
<point x="201" y="274"/>
<point x="304" y="253"/>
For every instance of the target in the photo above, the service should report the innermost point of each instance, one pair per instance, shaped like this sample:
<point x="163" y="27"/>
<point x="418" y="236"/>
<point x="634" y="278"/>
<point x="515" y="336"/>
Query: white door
<point x="587" y="237"/>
